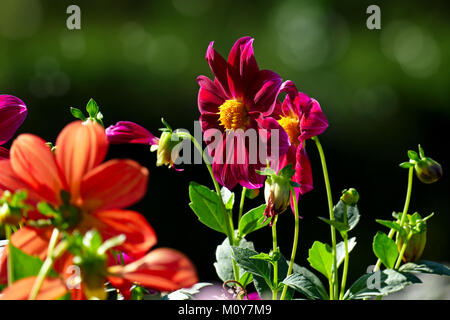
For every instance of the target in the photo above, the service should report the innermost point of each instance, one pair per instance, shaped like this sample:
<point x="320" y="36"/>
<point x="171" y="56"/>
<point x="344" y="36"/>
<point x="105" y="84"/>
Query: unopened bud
<point x="168" y="148"/>
<point x="252" y="193"/>
<point x="277" y="193"/>
<point x="350" y="197"/>
<point x="428" y="170"/>
<point x="9" y="216"/>
<point x="415" y="246"/>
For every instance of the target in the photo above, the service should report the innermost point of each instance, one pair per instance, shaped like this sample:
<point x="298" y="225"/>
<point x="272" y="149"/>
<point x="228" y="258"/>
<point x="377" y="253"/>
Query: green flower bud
<point x="428" y="170"/>
<point x="168" y="148"/>
<point x="252" y="193"/>
<point x="350" y="197"/>
<point x="415" y="247"/>
<point x="8" y="216"/>
<point x="277" y="193"/>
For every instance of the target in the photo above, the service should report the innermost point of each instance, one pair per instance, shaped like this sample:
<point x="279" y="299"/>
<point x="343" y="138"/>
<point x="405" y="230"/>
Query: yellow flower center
<point x="292" y="128"/>
<point x="233" y="115"/>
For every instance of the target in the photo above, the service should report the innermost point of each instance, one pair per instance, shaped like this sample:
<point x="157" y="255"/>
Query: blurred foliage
<point x="383" y="91"/>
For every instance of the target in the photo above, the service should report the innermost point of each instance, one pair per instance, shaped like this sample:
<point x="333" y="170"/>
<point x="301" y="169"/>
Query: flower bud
<point x="428" y="170"/>
<point x="95" y="289"/>
<point x="277" y="193"/>
<point x="169" y="145"/>
<point x="415" y="247"/>
<point x="350" y="197"/>
<point x="252" y="193"/>
<point x="9" y="216"/>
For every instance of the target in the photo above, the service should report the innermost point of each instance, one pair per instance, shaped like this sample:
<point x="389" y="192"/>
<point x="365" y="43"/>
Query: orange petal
<point x="51" y="289"/>
<point x="34" y="163"/>
<point x="32" y="241"/>
<point x="162" y="269"/>
<point x="140" y="236"/>
<point x="114" y="184"/>
<point x="80" y="147"/>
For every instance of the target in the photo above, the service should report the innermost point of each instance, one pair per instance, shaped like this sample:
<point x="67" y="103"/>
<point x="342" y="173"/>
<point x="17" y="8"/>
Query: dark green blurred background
<point x="383" y="91"/>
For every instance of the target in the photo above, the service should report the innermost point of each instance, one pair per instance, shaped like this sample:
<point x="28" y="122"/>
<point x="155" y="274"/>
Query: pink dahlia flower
<point x="12" y="114"/>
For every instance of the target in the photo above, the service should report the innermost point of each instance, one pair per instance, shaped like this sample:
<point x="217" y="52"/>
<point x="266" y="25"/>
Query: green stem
<point x="241" y="205"/>
<point x="402" y="251"/>
<point x="294" y="244"/>
<point x="345" y="271"/>
<point x="334" y="280"/>
<point x="405" y="211"/>
<point x="10" y="258"/>
<point x="52" y="255"/>
<point x="275" y="264"/>
<point x="229" y="218"/>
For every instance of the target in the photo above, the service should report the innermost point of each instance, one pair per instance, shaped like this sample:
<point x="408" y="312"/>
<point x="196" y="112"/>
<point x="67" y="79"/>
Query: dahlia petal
<point x="140" y="236"/>
<point x="210" y="96"/>
<point x="223" y="158"/>
<point x="51" y="289"/>
<point x="242" y="67"/>
<point x="4" y="153"/>
<point x="34" y="163"/>
<point x="114" y="184"/>
<point x="303" y="171"/>
<point x="12" y="114"/>
<point x="162" y="269"/>
<point x="265" y="89"/>
<point x="314" y="122"/>
<point x="130" y="132"/>
<point x="268" y="127"/>
<point x="80" y="147"/>
<point x="218" y="66"/>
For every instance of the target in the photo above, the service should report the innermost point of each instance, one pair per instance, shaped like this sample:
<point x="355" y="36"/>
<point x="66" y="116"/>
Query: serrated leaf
<point x="380" y="283"/>
<point x="256" y="267"/>
<point x="252" y="221"/>
<point x="206" y="205"/>
<point x="306" y="285"/>
<point x="77" y="113"/>
<point x="340" y="250"/>
<point x="228" y="198"/>
<point x="224" y="264"/>
<point x="385" y="249"/>
<point x="321" y="259"/>
<point x="352" y="214"/>
<point x="424" y="266"/>
<point x="92" y="108"/>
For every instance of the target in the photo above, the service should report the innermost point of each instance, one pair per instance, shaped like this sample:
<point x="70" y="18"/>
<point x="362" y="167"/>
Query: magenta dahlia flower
<point x="13" y="112"/>
<point x="240" y="98"/>
<point x="302" y="118"/>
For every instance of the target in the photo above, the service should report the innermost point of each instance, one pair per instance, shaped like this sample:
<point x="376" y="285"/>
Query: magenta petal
<point x="12" y="114"/>
<point x="289" y="87"/>
<point x="222" y="169"/>
<point x="313" y="122"/>
<point x="130" y="132"/>
<point x="266" y="135"/>
<point x="4" y="153"/>
<point x="218" y="66"/>
<point x="264" y="92"/>
<point x="210" y="97"/>
<point x="242" y="66"/>
<point x="303" y="171"/>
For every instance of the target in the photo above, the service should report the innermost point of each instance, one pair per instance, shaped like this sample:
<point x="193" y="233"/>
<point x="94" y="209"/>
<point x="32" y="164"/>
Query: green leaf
<point x="246" y="279"/>
<point x="321" y="259"/>
<point x="406" y="165"/>
<point x="224" y="263"/>
<point x="340" y="250"/>
<point x="413" y="155"/>
<point x="424" y="266"/>
<point x="307" y="284"/>
<point x="340" y="226"/>
<point x="252" y="221"/>
<point x="206" y="205"/>
<point x="77" y="113"/>
<point x="352" y="214"/>
<point x="228" y="198"/>
<point x="287" y="172"/>
<point x="380" y="283"/>
<point x="256" y="267"/>
<point x="385" y="249"/>
<point x="392" y="225"/>
<point x="92" y="108"/>
<point x="421" y="152"/>
<point x="25" y="265"/>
